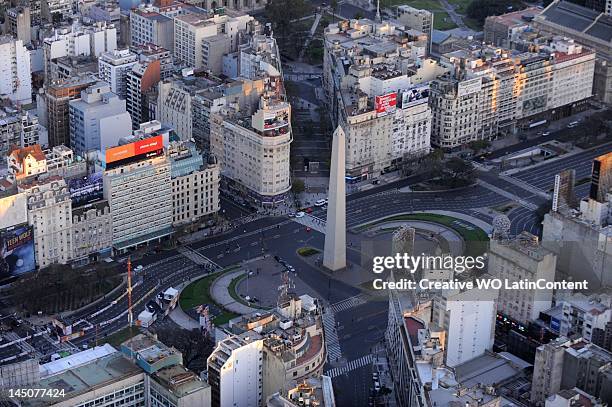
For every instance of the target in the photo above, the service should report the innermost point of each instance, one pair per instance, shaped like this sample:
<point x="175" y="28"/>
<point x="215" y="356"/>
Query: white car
<point x="300" y="215"/>
<point x="321" y="202"/>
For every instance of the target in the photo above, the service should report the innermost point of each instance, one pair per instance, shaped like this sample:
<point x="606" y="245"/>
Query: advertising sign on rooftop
<point x="415" y="96"/>
<point x="134" y="149"/>
<point x="385" y="104"/>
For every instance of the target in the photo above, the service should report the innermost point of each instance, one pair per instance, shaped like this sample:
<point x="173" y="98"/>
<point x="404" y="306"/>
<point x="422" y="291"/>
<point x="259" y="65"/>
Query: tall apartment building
<point x="417" y="19"/>
<point x="151" y="52"/>
<point x="468" y="318"/>
<point x="79" y="40"/>
<point x="195" y="183"/>
<point x="52" y="11"/>
<point x="380" y="102"/>
<point x="153" y="23"/>
<point x="235" y="371"/>
<point x="490" y="91"/>
<point x="254" y="151"/>
<point x="113" y="68"/>
<point x="174" y="102"/>
<point x="400" y="352"/>
<point x="138" y="188"/>
<point x="55" y="103"/>
<point x="17" y="128"/>
<point x="141" y="80"/>
<point x="587" y="27"/>
<point x="98" y="119"/>
<point x="50" y="215"/>
<point x="16" y="76"/>
<point x="189" y="31"/>
<point x="565" y="364"/>
<point x="18" y="23"/>
<point x="522" y="258"/>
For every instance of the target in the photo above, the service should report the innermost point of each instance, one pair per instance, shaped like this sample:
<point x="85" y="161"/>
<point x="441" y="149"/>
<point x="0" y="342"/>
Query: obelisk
<point x="334" y="255"/>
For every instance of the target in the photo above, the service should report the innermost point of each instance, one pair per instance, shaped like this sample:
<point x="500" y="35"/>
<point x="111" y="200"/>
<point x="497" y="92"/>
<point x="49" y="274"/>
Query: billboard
<point x="415" y="96"/>
<point x="134" y="149"/>
<point x="16" y="251"/>
<point x="468" y="87"/>
<point x="86" y="189"/>
<point x="385" y="104"/>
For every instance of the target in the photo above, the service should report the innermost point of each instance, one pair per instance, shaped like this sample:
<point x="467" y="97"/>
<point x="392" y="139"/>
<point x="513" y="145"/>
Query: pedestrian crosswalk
<point x="348" y="303"/>
<point x="331" y="337"/>
<point x="197" y="257"/>
<point x="350" y="366"/>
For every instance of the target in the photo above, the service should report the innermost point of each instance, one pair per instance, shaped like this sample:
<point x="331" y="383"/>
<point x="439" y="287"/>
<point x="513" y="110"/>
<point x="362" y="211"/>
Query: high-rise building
<point x="17" y="128"/>
<point x="468" y="318"/>
<point x="195" y="183"/>
<point x="566" y="364"/>
<point x="15" y="73"/>
<point x="50" y="215"/>
<point x="138" y="188"/>
<point x="56" y="101"/>
<point x="142" y="79"/>
<point x="254" y="151"/>
<point x="97" y="120"/>
<point x="113" y="68"/>
<point x="52" y="11"/>
<point x="19" y="24"/>
<point x="381" y="103"/>
<point x="235" y="371"/>
<point x="522" y="258"/>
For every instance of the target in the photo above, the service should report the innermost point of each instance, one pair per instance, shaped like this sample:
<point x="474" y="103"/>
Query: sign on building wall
<point x="134" y="149"/>
<point x="414" y="96"/>
<point x="16" y="251"/>
<point x="468" y="87"/>
<point x="385" y="104"/>
<point x="86" y="189"/>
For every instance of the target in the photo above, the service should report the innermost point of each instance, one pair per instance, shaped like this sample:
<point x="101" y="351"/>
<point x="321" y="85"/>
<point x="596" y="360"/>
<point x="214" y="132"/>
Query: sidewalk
<point x="219" y="291"/>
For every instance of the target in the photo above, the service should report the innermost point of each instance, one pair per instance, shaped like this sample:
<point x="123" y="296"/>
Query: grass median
<point x="198" y="293"/>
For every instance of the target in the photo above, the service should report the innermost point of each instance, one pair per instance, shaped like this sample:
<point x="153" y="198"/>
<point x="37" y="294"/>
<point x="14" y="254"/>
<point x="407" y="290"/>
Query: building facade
<point x="98" y="119"/>
<point x="16" y="75"/>
<point x="113" y="68"/>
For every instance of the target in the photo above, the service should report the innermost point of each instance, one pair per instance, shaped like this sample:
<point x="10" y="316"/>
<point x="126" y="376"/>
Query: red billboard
<point x="134" y="149"/>
<point x="385" y="104"/>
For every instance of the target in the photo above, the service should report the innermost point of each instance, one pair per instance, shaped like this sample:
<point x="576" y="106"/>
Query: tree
<point x="282" y="12"/>
<point x="194" y="346"/>
<point x="480" y="9"/>
<point x="297" y="186"/>
<point x="478" y="145"/>
<point x="458" y="172"/>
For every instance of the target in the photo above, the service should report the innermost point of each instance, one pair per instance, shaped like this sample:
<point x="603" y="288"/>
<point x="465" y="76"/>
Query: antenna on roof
<point x="378" y="19"/>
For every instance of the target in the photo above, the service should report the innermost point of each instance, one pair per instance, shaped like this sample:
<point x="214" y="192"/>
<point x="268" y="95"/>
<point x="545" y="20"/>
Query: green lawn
<point x="307" y="251"/>
<point x="460" y="5"/>
<point x="198" y="293"/>
<point x="443" y="22"/>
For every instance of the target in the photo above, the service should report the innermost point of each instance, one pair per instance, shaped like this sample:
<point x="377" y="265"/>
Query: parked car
<point x="321" y="202"/>
<point x="300" y="215"/>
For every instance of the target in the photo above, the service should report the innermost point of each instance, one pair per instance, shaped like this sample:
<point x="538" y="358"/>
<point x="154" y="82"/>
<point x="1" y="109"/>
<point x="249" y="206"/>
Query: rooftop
<point x="179" y="380"/>
<point x="578" y="18"/>
<point x="87" y="377"/>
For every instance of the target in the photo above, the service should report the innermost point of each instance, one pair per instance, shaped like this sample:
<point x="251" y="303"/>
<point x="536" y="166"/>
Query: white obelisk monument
<point x="334" y="255"/>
